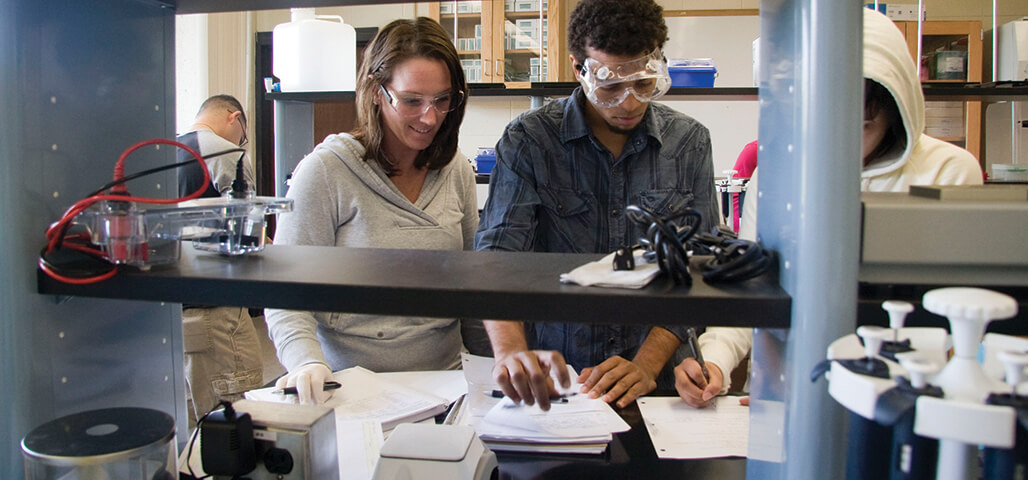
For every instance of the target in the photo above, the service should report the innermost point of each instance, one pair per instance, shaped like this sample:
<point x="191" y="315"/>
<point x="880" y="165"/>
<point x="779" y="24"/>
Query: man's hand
<point x="691" y="385"/>
<point x="617" y="379"/>
<point x="526" y="375"/>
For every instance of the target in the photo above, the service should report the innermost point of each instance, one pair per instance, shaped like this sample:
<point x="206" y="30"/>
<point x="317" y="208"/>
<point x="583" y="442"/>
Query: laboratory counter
<point x="629" y="456"/>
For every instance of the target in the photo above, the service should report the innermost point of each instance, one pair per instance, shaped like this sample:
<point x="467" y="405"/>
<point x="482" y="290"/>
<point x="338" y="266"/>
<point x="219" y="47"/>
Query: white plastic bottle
<point x="315" y="53"/>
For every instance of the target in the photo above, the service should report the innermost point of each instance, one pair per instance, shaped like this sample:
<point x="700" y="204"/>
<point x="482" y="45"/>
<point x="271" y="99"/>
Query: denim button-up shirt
<point x="556" y="188"/>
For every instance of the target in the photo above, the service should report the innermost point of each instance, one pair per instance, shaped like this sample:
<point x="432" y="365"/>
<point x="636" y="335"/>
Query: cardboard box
<point x="945" y="122"/>
<point x="901" y="12"/>
<point x="944" y="112"/>
<point x="529" y="27"/>
<point x="944" y="104"/>
<point x="526" y="5"/>
<point x="944" y="132"/>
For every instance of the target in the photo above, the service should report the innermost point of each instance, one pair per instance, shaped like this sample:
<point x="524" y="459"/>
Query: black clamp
<point x="624" y="259"/>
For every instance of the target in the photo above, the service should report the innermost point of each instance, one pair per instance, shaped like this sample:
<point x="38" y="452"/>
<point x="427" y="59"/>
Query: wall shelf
<point x="497" y="285"/>
<point x="987" y="92"/>
<point x="537" y="89"/>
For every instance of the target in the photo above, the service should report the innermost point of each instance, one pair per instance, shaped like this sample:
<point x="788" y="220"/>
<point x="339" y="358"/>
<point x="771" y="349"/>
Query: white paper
<point x="683" y="432"/>
<point x="580" y="419"/>
<point x="445" y="384"/>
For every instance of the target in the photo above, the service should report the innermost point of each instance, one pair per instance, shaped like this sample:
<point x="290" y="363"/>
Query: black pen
<point x="292" y="390"/>
<point x="553" y="398"/>
<point x="694" y="344"/>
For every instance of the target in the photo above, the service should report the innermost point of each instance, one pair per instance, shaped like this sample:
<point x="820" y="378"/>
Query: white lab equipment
<point x="417" y="451"/>
<point x="291" y="441"/>
<point x="961" y="406"/>
<point x="315" y="53"/>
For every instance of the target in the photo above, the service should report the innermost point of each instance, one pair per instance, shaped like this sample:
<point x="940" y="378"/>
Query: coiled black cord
<point x="664" y="241"/>
<point x="670" y="246"/>
<point x="734" y="259"/>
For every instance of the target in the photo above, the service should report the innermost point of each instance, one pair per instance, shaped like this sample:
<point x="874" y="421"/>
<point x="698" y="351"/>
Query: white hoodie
<point x="926" y="161"/>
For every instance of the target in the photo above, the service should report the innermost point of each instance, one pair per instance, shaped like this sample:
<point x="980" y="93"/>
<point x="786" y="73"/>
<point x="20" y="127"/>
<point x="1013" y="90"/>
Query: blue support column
<point x="82" y="82"/>
<point x="810" y="130"/>
<point x="294" y="139"/>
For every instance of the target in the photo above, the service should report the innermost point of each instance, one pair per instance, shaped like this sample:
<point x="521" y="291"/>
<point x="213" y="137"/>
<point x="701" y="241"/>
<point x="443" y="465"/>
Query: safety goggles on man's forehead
<point x="608" y="84"/>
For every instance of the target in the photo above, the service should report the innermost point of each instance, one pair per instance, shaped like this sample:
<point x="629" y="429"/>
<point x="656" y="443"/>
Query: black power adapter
<point x="226" y="443"/>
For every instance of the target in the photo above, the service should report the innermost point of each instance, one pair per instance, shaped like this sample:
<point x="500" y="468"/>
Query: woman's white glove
<point x="309" y="381"/>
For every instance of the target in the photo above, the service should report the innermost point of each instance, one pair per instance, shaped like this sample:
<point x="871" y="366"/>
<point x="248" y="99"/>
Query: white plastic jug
<point x="315" y="53"/>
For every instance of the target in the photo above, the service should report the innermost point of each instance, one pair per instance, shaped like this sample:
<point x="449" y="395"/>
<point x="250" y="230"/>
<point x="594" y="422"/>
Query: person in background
<point x="219" y="125"/>
<point x="396" y="181"/>
<point x="895" y="155"/>
<point x="222" y="351"/>
<point x="564" y="175"/>
<point x="744" y="166"/>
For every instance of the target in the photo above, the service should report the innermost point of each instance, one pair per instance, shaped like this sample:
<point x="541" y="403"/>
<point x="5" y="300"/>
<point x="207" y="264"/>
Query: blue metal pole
<point x="808" y="198"/>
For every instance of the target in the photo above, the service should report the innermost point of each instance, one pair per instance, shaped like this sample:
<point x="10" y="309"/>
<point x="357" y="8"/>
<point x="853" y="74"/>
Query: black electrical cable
<point x="665" y="240"/>
<point x="163" y="168"/>
<point x="733" y="260"/>
<point x="83" y="269"/>
<point x="239" y="188"/>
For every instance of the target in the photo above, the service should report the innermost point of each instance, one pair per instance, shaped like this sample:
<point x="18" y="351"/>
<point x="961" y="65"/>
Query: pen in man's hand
<point x="553" y="398"/>
<point x="694" y="344"/>
<point x="292" y="390"/>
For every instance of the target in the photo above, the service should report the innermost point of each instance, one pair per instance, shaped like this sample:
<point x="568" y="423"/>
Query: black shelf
<point x="974" y="92"/>
<point x="497" y="285"/>
<point x="312" y="96"/>
<point x="538" y="89"/>
<point x="212" y="6"/>
<point x="941" y="92"/>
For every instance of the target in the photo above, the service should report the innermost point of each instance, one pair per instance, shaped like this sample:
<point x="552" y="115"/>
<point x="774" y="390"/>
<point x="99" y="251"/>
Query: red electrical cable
<point x="119" y="193"/>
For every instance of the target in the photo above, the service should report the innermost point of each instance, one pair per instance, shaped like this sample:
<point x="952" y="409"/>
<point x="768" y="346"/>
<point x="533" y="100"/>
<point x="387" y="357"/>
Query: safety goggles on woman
<point x="413" y="105"/>
<point x="608" y="84"/>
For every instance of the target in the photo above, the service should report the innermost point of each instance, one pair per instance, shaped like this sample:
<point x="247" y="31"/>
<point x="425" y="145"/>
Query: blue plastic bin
<point x="485" y="160"/>
<point x="692" y="73"/>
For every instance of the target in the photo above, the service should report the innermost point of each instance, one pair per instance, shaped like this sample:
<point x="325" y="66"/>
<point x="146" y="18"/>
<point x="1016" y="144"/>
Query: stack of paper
<point x="581" y="425"/>
<point x="366" y="395"/>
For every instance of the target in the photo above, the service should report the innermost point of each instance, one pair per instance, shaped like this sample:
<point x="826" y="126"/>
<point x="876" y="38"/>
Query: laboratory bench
<point x="629" y="456"/>
<point x="436" y="283"/>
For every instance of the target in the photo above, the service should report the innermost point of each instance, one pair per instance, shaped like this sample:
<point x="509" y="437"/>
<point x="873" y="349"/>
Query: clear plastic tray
<point x="143" y="237"/>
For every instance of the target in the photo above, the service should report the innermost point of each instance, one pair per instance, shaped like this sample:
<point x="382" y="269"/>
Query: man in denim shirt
<point x="564" y="175"/>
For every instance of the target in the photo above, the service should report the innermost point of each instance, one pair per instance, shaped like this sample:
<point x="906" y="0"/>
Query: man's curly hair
<point x="616" y="27"/>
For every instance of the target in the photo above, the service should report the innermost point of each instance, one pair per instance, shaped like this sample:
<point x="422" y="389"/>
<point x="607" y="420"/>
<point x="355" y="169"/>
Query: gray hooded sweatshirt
<point x="342" y="200"/>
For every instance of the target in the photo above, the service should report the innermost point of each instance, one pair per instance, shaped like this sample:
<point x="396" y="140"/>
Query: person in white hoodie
<point x="896" y="154"/>
<point x="398" y="181"/>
